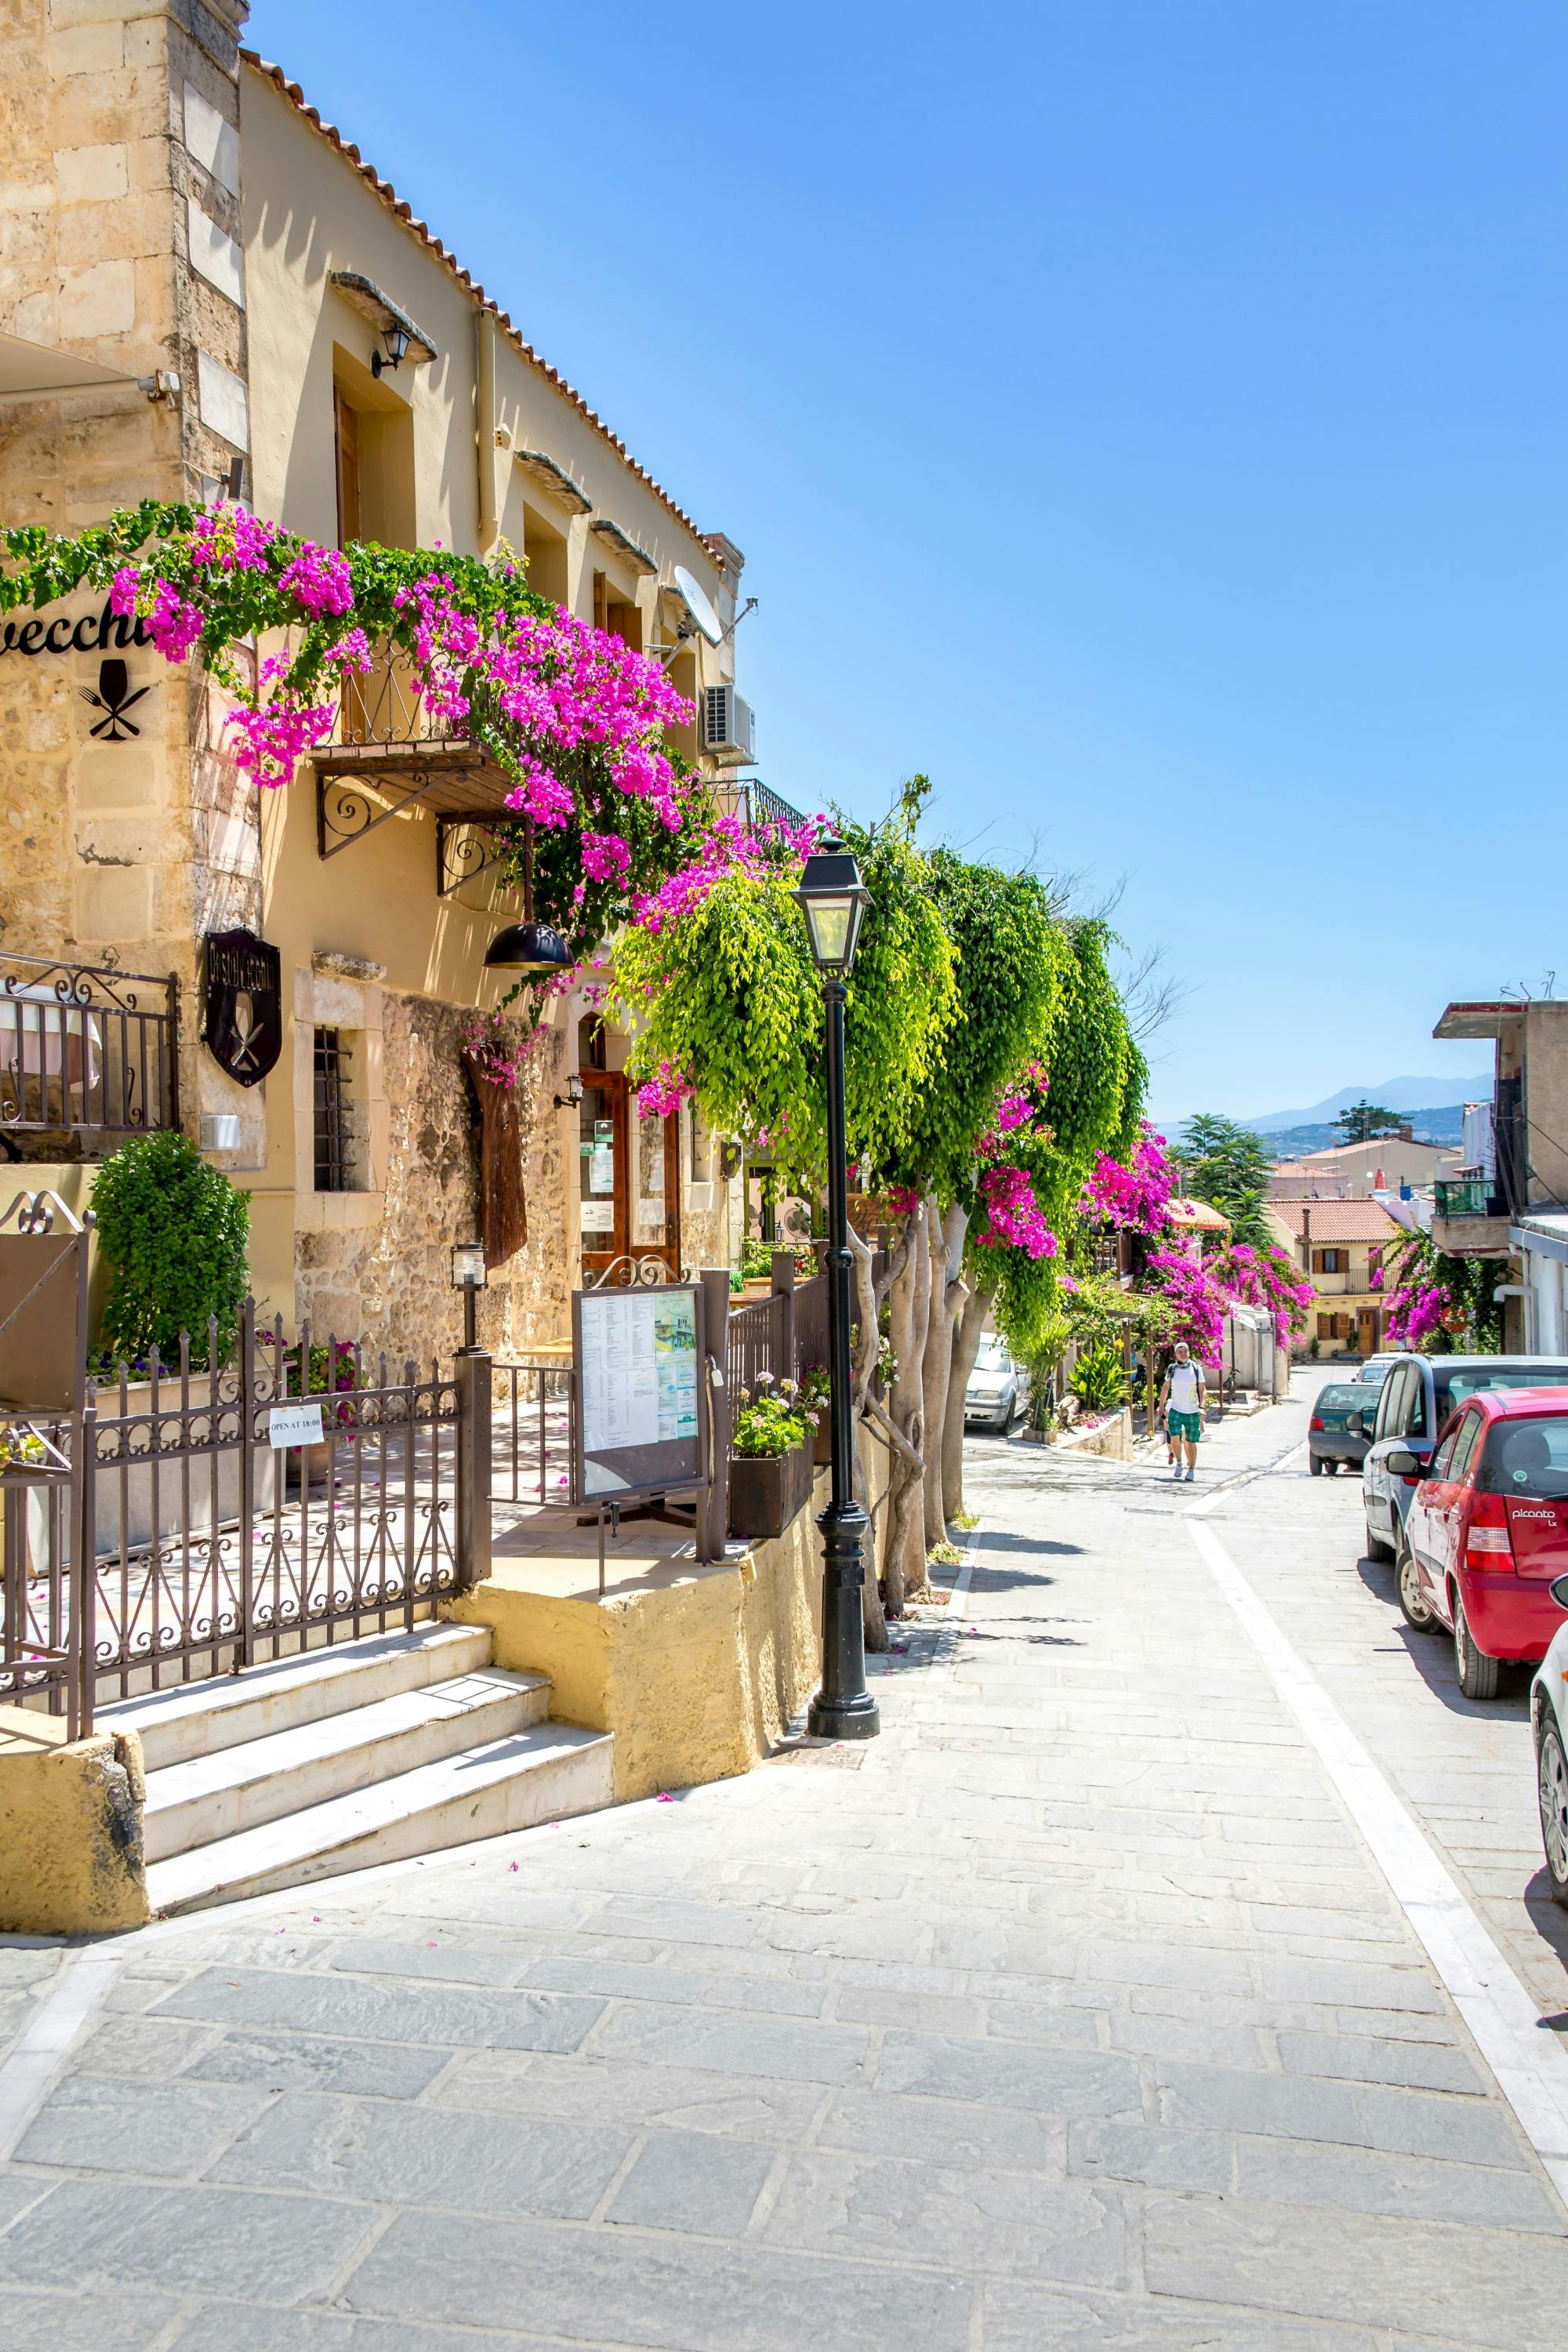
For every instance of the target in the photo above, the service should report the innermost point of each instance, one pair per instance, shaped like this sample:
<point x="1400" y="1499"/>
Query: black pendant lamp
<point x="528" y="946"/>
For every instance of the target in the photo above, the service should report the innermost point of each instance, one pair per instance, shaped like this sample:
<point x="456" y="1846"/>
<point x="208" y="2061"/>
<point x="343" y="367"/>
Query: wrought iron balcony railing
<point x="86" y="1052"/>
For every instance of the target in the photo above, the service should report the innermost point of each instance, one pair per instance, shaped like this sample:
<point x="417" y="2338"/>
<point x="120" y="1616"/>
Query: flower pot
<point x="766" y="1491"/>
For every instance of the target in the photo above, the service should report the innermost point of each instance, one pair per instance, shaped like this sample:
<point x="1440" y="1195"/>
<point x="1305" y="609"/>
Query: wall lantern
<point x="834" y="899"/>
<point x="573" y="1096"/>
<point x="394" y="340"/>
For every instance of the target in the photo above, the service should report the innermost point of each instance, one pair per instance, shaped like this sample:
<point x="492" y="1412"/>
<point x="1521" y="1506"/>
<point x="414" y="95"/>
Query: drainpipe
<point x="485" y="433"/>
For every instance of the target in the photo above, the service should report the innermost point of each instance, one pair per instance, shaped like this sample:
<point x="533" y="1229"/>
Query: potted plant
<point x="769" y="1463"/>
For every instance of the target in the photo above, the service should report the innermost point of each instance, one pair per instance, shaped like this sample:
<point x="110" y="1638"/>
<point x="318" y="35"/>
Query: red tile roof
<point x="405" y="212"/>
<point x="1337" y="1220"/>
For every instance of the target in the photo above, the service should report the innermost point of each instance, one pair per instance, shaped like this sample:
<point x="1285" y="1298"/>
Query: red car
<point x="1487" y="1531"/>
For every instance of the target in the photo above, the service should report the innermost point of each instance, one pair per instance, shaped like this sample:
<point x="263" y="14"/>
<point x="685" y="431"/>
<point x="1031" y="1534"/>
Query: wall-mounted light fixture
<point x="573" y="1096"/>
<point x="395" y="351"/>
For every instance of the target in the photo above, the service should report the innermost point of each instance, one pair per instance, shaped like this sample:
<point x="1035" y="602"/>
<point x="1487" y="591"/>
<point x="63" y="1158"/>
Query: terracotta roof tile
<point x="395" y="204"/>
<point x="1337" y="1220"/>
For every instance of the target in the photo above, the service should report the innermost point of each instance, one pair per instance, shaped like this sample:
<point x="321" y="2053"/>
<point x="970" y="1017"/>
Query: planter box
<point x="822" y="1442"/>
<point x="766" y="1491"/>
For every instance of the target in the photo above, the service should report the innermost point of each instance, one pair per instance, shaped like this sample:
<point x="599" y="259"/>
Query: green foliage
<point x="730" y="997"/>
<point x="174" y="1230"/>
<point x="1098" y="1380"/>
<point x="1363" y="1120"/>
<point x="772" y="1422"/>
<point x="1010" y="953"/>
<point x="1228" y="1166"/>
<point x="21" y="1448"/>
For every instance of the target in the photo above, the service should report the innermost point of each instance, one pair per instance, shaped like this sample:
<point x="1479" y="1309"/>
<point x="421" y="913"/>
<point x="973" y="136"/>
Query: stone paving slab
<point x="1074" y="2015"/>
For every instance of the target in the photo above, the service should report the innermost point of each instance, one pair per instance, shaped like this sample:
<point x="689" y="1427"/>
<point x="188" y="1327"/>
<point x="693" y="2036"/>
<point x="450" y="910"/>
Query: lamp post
<point x="834" y="899"/>
<point x="469" y="1272"/>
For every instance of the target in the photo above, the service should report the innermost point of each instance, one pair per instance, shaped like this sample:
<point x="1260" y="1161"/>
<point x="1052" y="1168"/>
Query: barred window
<point x="333" y="1158"/>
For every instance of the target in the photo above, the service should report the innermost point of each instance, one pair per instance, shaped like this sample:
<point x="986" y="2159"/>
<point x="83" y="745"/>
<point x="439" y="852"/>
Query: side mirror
<point x="1403" y="1463"/>
<point x="1558" y="1589"/>
<point x="1356" y="1426"/>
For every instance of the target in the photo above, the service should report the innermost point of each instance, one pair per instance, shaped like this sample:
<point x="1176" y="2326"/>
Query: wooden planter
<point x="767" y="1490"/>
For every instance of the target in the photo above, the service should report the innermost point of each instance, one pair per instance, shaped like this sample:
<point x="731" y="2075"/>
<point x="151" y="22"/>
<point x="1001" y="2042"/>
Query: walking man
<point x="1182" y="1399"/>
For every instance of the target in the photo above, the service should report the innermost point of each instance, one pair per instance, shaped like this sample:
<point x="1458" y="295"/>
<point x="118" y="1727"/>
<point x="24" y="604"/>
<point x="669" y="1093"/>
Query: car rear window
<point x="1453" y="1388"/>
<point x="993" y="1357"/>
<point x="1528" y="1456"/>
<point x="1343" y="1398"/>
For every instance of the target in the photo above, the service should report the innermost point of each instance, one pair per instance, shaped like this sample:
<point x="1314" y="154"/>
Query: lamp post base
<point x="853" y="1718"/>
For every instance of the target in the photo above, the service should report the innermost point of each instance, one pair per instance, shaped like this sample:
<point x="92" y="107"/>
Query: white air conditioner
<point x="729" y="724"/>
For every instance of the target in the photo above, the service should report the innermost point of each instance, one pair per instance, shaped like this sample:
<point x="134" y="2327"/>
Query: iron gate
<point x="206" y="1546"/>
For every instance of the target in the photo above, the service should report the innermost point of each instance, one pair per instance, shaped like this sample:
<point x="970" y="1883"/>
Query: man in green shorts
<point x="1182" y="1399"/>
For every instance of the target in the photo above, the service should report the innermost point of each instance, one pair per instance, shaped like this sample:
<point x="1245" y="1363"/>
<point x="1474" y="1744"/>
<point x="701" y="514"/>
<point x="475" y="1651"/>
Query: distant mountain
<point x="1443" y="1124"/>
<point x="1407" y="1095"/>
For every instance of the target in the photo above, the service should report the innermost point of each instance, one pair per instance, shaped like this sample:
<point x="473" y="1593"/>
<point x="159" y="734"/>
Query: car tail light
<point x="1487" y="1543"/>
<point x="1316" y="1422"/>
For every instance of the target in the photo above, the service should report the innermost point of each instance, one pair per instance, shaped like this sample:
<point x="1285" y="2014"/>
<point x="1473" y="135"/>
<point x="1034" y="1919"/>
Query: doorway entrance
<point x="628" y="1183"/>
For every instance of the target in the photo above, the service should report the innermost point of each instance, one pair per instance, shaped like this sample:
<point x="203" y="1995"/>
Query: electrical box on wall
<point x="729" y="723"/>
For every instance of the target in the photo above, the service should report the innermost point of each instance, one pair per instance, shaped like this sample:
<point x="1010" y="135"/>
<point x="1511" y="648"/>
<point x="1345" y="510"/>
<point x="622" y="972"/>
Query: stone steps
<point x="365" y="1752"/>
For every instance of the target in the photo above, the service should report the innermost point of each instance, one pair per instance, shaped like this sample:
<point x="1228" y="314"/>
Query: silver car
<point x="1418" y="1395"/>
<point x="1549" y="1719"/>
<point x="999" y="1388"/>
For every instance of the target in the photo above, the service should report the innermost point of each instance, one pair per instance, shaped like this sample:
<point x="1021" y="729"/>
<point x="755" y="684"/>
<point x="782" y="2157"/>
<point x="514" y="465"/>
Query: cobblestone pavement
<point x="1074" y="2013"/>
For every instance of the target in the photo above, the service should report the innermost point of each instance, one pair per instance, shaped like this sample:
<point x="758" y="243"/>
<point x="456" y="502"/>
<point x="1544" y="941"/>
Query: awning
<point x="37" y="371"/>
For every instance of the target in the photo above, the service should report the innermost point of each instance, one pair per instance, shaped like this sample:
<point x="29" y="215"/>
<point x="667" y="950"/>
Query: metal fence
<point x="184" y="1543"/>
<point x="532" y="1452"/>
<point x="87" y="1051"/>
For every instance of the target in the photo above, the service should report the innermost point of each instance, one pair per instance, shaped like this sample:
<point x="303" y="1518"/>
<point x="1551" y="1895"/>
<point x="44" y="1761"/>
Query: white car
<point x="1549" y="1718"/>
<point x="999" y="1388"/>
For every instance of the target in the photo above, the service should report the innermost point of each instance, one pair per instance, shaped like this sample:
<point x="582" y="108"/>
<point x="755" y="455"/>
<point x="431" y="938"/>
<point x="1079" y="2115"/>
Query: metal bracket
<point x="345" y="811"/>
<point x="465" y="847"/>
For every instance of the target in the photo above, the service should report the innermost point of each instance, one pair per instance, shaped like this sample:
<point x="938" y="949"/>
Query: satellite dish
<point x="696" y="602"/>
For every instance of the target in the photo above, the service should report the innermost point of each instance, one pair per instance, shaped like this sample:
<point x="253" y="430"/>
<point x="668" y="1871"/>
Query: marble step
<point x="544" y="1774"/>
<point x="280" y="1694"/>
<point x="232" y="1790"/>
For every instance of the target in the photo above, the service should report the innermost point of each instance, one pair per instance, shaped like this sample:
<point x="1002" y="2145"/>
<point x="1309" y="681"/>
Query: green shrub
<point x="174" y="1230"/>
<point x="1098" y="1380"/>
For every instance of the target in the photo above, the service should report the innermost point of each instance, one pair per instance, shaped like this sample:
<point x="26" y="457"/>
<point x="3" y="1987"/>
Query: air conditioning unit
<point x="729" y="724"/>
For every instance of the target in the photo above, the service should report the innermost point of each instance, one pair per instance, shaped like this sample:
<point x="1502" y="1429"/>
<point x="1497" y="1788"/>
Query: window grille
<point x="333" y="1157"/>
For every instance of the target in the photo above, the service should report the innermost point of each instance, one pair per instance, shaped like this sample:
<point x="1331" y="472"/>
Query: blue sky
<point x="1148" y="420"/>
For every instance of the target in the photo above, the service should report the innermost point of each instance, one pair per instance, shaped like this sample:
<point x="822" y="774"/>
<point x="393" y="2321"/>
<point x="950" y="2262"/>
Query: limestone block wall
<point x="377" y="1268"/>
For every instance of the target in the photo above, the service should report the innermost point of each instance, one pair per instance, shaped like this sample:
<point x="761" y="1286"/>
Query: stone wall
<point x="388" y="1283"/>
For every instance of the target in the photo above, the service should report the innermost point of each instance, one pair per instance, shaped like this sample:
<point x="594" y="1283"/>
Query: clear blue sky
<point x="1146" y="418"/>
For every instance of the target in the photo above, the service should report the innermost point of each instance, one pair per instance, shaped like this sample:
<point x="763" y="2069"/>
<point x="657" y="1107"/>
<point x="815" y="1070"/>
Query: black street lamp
<point x="834" y="898"/>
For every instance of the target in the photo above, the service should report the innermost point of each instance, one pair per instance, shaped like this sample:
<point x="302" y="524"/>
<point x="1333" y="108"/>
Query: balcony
<point x="1462" y="1196"/>
<point x="88" y="1057"/>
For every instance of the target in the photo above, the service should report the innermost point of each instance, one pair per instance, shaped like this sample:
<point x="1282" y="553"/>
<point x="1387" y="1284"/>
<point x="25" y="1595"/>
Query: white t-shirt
<point x="1184" y="1387"/>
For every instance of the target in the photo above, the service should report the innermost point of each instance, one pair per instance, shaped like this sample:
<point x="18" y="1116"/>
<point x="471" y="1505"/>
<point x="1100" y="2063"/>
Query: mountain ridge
<point x="1403" y="1095"/>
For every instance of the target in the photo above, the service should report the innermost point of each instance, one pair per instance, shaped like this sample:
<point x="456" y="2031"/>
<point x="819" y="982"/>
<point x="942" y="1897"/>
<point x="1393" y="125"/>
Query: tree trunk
<point x="867" y="1343"/>
<point x="967" y="1336"/>
<point x="911" y="1300"/>
<point x="948" y="1293"/>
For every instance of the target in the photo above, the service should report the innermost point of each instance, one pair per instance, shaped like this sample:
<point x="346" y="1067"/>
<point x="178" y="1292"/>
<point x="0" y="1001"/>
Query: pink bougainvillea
<point x="1266" y="1278"/>
<point x="1197" y="1299"/>
<point x="663" y="1093"/>
<point x="1014" y="1219"/>
<point x="604" y="855"/>
<point x="1414" y="1313"/>
<point x="1134" y="1198"/>
<point x="729" y="847"/>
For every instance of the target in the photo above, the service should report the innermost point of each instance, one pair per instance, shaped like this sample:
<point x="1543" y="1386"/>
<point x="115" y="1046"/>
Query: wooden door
<point x="628" y="1183"/>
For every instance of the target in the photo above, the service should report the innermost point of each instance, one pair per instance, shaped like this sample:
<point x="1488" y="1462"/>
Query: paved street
<point x="1075" y="2012"/>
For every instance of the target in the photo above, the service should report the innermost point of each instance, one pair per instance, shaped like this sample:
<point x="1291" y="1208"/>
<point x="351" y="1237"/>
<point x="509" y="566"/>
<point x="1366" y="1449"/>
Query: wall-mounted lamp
<point x="573" y="1095"/>
<point x="394" y="340"/>
<point x="469" y="1269"/>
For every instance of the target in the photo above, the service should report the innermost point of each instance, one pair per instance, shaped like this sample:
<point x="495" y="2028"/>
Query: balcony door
<point x="628" y="1183"/>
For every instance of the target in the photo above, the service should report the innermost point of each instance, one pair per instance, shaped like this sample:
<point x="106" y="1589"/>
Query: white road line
<point x="1531" y="2067"/>
<point x="41" y="2048"/>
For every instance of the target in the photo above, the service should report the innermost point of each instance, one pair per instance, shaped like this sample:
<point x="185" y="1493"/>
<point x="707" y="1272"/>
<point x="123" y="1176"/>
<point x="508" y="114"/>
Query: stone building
<point x="205" y="290"/>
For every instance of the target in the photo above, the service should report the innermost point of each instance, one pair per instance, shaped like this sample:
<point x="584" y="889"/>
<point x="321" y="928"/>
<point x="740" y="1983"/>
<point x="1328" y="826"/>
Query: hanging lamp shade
<point x="528" y="947"/>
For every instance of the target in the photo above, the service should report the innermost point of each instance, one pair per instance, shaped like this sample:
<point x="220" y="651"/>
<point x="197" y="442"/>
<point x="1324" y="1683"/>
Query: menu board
<point x="640" y="1421"/>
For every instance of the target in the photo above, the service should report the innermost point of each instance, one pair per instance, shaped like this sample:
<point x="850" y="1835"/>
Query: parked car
<point x="1549" y="1719"/>
<point x="1487" y="1534"/>
<point x="1417" y="1397"/>
<point x="1376" y="1369"/>
<point x="1343" y="1416"/>
<point x="999" y="1388"/>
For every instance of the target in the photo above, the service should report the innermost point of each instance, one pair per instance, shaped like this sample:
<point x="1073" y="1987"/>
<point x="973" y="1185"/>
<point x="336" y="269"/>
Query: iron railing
<point x="386" y="704"/>
<point x="533" y="1452"/>
<point x="190" y="1544"/>
<point x="86" y="1051"/>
